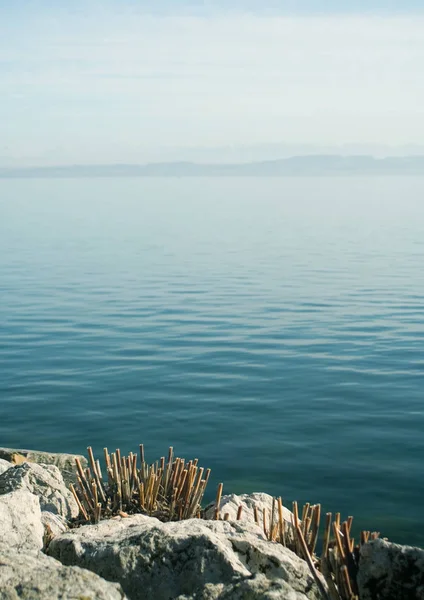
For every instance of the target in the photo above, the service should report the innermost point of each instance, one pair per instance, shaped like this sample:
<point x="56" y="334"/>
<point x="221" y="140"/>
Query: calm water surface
<point x="272" y="328"/>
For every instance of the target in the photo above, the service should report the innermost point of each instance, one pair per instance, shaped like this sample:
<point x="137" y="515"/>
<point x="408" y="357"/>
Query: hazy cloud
<point x="108" y="85"/>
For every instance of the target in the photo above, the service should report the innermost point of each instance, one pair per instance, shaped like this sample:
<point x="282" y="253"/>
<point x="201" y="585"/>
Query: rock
<point x="390" y="572"/>
<point x="54" y="525"/>
<point x="4" y="465"/>
<point x="46" y="482"/>
<point x="187" y="559"/>
<point x="38" y="577"/>
<point x="257" y="588"/>
<point x="20" y="520"/>
<point x="64" y="462"/>
<point x="230" y="504"/>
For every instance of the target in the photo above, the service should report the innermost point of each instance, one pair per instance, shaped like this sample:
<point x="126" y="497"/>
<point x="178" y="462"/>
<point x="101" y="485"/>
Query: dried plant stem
<point x="311" y="566"/>
<point x="218" y="500"/>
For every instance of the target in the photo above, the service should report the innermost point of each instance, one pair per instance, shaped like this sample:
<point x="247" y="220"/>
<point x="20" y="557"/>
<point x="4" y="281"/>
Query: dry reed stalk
<point x="305" y="511"/>
<point x="226" y="516"/>
<point x="281" y="522"/>
<point x="86" y="496"/>
<point x="142" y="461"/>
<point x="176" y="472"/>
<point x="295" y="515"/>
<point x="305" y="528"/>
<point x="91" y="460"/>
<point x="316" y="519"/>
<point x="107" y="458"/>
<point x="364" y="537"/>
<point x="308" y="558"/>
<point x="264" y="522"/>
<point x="271" y="528"/>
<point x="118" y="459"/>
<point x="239" y="511"/>
<point x="98" y="513"/>
<point x="197" y="499"/>
<point x="173" y="502"/>
<point x="218" y="500"/>
<point x="155" y="492"/>
<point x="134" y="475"/>
<point x="80" y="472"/>
<point x="188" y="487"/>
<point x="326" y="572"/>
<point x="349" y="561"/>
<point x="141" y="496"/>
<point x="339" y="543"/>
<point x="115" y="471"/>
<point x="182" y="482"/>
<point x="256" y="515"/>
<point x="337" y="518"/>
<point x="327" y="532"/>
<point x="94" y="493"/>
<point x="346" y="538"/>
<point x="347" y="588"/>
<point x="78" y="501"/>
<point x="295" y="526"/>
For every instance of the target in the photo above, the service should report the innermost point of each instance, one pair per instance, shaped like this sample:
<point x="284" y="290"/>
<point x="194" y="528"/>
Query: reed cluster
<point x="170" y="489"/>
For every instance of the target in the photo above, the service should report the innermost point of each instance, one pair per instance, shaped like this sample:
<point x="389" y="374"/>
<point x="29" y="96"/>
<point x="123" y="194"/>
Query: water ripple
<point x="270" y="328"/>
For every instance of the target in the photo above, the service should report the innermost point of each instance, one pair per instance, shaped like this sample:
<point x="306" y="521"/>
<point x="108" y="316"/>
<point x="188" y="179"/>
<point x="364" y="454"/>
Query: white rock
<point x="54" y="525"/>
<point x="20" y="520"/>
<point x="390" y="572"/>
<point x="65" y="462"/>
<point x="194" y="559"/>
<point x="46" y="482"/>
<point x="38" y="577"/>
<point x="4" y="465"/>
<point x="231" y="503"/>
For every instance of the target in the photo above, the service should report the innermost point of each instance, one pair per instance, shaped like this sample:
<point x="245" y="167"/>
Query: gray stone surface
<point x="194" y="559"/>
<point x="64" y="462"/>
<point x="20" y="521"/>
<point x="390" y="572"/>
<point x="46" y="482"/>
<point x="230" y="504"/>
<point x="38" y="577"/>
<point x="4" y="465"/>
<point x="54" y="525"/>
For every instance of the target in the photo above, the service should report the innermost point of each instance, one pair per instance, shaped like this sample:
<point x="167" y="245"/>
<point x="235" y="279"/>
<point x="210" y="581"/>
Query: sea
<point x="273" y="328"/>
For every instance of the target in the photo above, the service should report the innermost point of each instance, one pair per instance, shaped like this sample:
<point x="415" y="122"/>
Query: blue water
<point x="273" y="328"/>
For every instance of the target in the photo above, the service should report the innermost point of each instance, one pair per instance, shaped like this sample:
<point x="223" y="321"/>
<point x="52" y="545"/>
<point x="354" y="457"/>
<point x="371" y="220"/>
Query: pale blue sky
<point x="103" y="81"/>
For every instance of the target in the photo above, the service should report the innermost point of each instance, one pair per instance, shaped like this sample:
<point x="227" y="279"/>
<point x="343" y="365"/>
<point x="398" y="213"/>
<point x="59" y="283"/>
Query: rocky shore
<point x="141" y="558"/>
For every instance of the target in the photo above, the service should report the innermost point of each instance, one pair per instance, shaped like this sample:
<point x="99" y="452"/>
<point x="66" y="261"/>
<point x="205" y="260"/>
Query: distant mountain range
<point x="314" y="165"/>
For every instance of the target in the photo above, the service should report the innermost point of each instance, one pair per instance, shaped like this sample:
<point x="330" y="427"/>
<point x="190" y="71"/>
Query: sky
<point x="135" y="81"/>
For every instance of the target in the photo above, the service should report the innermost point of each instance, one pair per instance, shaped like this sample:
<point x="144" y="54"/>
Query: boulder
<point x="4" y="465"/>
<point x="390" y="572"/>
<point x="64" y="462"/>
<point x="20" y="521"/>
<point x="231" y="503"/>
<point x="38" y="577"/>
<point x="193" y="559"/>
<point x="54" y="525"/>
<point x="46" y="482"/>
